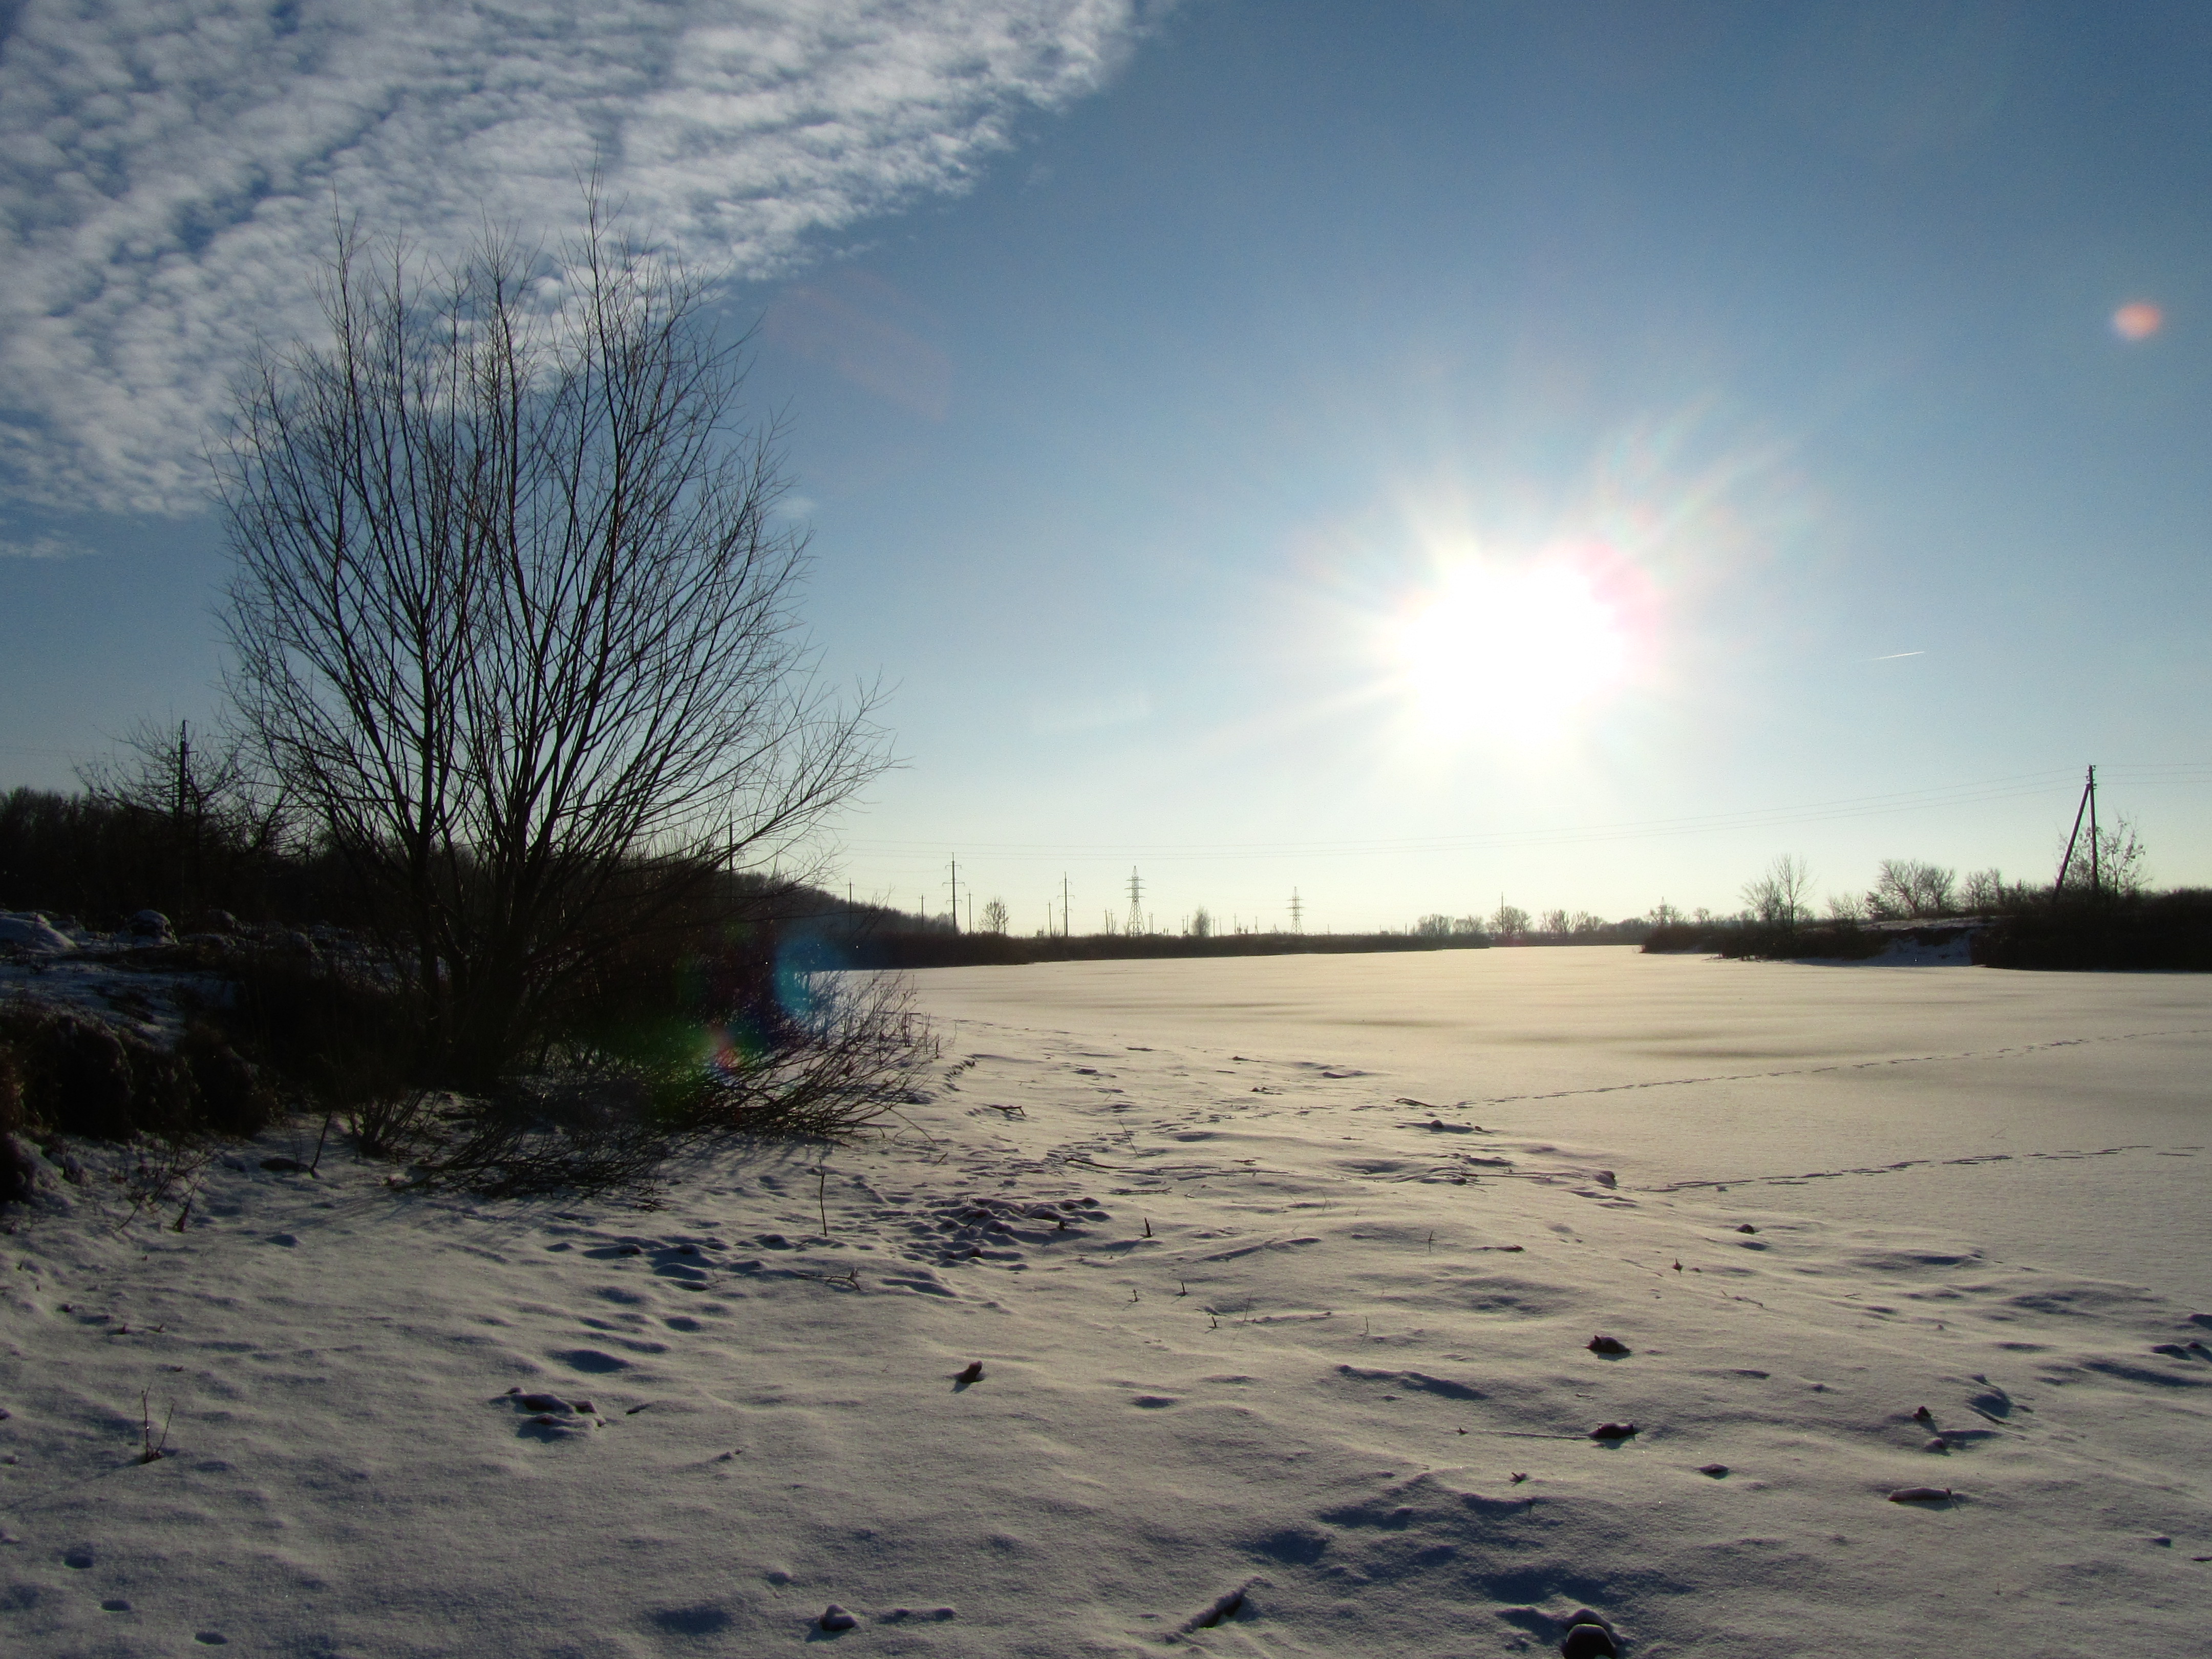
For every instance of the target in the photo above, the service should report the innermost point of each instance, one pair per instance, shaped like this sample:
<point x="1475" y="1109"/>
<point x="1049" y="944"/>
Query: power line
<point x="2018" y="787"/>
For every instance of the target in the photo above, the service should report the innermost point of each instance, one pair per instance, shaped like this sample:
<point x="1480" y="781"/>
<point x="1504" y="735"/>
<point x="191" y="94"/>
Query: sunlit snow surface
<point x="1312" y="1324"/>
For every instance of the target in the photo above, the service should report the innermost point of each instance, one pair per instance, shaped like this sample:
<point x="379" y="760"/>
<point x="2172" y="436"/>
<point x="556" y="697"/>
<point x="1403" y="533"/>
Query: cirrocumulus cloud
<point x="170" y="169"/>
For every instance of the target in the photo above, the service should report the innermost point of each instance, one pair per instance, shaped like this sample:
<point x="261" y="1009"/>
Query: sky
<point x="1410" y="455"/>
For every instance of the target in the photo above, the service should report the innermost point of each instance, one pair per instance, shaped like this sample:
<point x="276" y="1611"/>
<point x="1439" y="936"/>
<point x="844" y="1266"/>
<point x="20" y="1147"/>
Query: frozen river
<point x="2056" y="1119"/>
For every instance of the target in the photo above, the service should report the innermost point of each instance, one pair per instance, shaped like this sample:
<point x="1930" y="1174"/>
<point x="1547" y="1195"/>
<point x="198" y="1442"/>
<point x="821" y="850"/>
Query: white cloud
<point x="1097" y="713"/>
<point x="168" y="167"/>
<point x="43" y="547"/>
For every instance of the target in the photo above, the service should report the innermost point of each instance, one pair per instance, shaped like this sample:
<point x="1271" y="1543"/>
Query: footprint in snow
<point x="590" y="1360"/>
<point x="1589" y="1636"/>
<point x="548" y="1417"/>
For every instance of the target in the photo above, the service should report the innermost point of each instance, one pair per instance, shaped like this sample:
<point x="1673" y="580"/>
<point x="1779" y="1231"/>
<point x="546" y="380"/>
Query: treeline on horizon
<point x="164" y="841"/>
<point x="134" y="842"/>
<point x="2099" y="913"/>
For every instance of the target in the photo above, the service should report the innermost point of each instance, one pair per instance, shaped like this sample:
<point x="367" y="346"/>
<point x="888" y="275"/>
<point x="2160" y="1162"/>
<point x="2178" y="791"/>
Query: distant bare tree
<point x="1510" y="921"/>
<point x="1781" y="895"/>
<point x="1910" y="888"/>
<point x="1555" y="924"/>
<point x="204" y="780"/>
<point x="1201" y="923"/>
<point x="2120" y="868"/>
<point x="994" y="916"/>
<point x="216" y="808"/>
<point x="1987" y="891"/>
<point x="513" y="620"/>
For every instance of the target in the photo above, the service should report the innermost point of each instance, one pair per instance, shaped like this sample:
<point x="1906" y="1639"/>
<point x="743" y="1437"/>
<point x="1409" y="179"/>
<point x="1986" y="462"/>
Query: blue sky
<point x="1408" y="453"/>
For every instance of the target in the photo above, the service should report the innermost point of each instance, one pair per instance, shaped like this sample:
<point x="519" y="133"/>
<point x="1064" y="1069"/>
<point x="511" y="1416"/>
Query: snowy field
<point x="1239" y="1308"/>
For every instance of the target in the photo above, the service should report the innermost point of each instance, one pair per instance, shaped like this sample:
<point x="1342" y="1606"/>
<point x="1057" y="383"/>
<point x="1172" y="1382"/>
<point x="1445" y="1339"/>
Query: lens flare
<point x="2138" y="319"/>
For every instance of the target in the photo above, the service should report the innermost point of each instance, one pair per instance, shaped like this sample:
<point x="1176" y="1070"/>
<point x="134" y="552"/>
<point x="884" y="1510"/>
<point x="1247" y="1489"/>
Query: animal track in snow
<point x="947" y="1232"/>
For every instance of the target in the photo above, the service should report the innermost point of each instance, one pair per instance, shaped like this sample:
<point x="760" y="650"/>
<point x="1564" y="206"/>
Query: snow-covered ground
<point x="1281" y="1276"/>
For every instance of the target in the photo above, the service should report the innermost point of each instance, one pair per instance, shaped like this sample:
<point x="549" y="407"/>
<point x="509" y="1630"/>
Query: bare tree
<point x="1987" y="892"/>
<point x="2120" y="867"/>
<point x="1781" y="895"/>
<point x="994" y="916"/>
<point x="1910" y="887"/>
<point x="217" y="810"/>
<point x="1510" y="921"/>
<point x="513" y="619"/>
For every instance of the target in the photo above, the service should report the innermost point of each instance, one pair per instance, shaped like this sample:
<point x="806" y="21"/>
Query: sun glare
<point x="1515" y="653"/>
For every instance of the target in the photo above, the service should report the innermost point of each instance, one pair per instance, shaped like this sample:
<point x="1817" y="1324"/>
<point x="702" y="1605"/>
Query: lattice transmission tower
<point x="1136" y="904"/>
<point x="1298" y="912"/>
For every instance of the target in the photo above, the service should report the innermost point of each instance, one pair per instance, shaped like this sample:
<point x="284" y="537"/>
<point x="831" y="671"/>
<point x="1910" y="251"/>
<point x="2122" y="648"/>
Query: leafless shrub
<point x="842" y="1052"/>
<point x="151" y="1451"/>
<point x="857" y="1047"/>
<point x="18" y="1174"/>
<point x="392" y="1125"/>
<point x="164" y="1167"/>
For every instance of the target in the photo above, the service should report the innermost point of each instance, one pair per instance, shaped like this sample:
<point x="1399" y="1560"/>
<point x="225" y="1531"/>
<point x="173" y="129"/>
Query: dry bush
<point x="342" y="1035"/>
<point x="832" y="1055"/>
<point x="18" y="1174"/>
<point x="854" y="1046"/>
<point x="78" y="1075"/>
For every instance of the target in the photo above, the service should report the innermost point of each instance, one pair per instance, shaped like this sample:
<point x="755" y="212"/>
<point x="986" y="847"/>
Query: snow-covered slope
<point x="1276" y="1341"/>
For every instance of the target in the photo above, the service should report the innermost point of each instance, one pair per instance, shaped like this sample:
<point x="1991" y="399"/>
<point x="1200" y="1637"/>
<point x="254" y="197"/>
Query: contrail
<point x="1894" y="655"/>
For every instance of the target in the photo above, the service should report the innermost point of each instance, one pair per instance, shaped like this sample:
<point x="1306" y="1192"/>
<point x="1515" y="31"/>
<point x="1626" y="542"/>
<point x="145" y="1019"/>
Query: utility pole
<point x="2088" y="808"/>
<point x="1067" y="920"/>
<point x="1298" y="912"/>
<point x="955" y="894"/>
<point x="1136" y="904"/>
<point x="2096" y="869"/>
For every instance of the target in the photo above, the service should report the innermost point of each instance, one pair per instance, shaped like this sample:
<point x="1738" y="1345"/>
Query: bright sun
<point x="1514" y="653"/>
